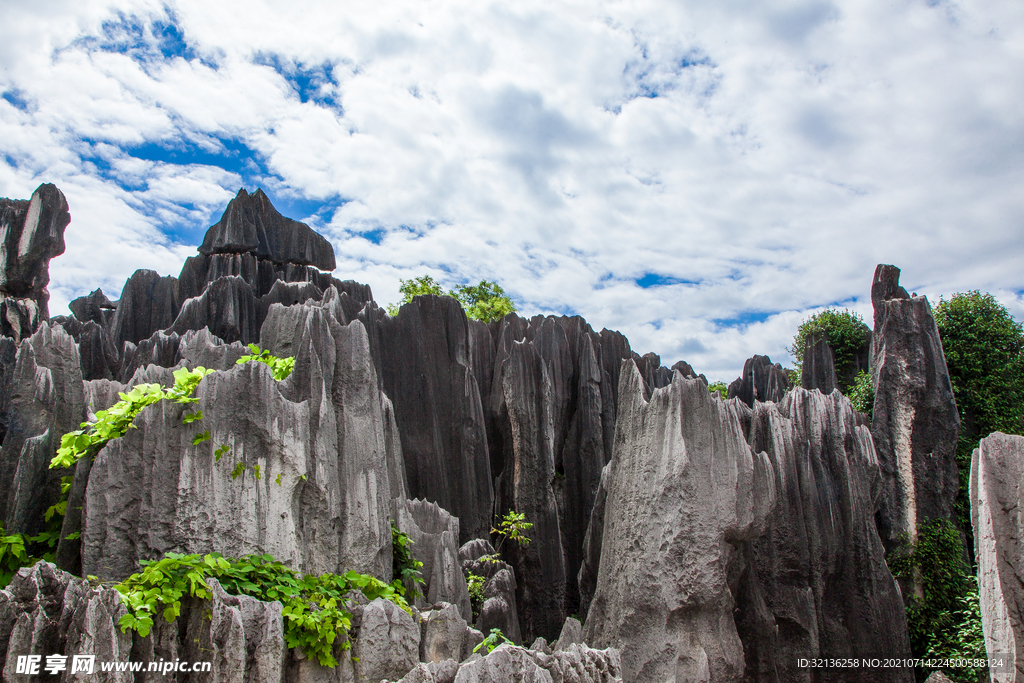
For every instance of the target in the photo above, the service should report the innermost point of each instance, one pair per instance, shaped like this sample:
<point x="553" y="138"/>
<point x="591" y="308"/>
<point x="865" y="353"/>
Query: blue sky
<point x="699" y="176"/>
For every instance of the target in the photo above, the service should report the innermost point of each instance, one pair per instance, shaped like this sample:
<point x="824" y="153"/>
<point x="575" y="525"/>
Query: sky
<point x="700" y="176"/>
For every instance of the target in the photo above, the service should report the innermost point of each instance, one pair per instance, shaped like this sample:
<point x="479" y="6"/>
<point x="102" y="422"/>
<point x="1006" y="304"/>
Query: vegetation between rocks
<point x="485" y="301"/>
<point x="846" y="334"/>
<point x="945" y="619"/>
<point x="313" y="607"/>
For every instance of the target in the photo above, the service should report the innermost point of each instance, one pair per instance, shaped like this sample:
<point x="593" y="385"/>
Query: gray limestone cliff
<point x="914" y="421"/>
<point x="997" y="475"/>
<point x="684" y="488"/>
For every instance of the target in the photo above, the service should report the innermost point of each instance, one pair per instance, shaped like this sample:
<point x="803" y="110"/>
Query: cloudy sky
<point x="698" y="175"/>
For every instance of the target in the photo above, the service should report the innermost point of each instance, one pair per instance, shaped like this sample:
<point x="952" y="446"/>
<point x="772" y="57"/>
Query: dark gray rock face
<point x="531" y="403"/>
<point x="423" y="357"/>
<point x="683" y="489"/>
<point x="818" y="370"/>
<point x="761" y="381"/>
<point x="252" y="224"/>
<point x="148" y="303"/>
<point x="95" y="307"/>
<point x="45" y="402"/>
<point x="815" y="583"/>
<point x="997" y="470"/>
<point x="31" y="233"/>
<point x="914" y="421"/>
<point x="227" y="307"/>
<point x="320" y="500"/>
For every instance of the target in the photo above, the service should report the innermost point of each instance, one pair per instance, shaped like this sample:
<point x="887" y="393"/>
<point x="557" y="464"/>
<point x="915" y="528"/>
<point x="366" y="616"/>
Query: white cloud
<point x="764" y="158"/>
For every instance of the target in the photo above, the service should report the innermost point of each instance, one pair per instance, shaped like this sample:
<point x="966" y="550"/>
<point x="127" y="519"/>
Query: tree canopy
<point x="846" y="332"/>
<point x="485" y="301"/>
<point x="984" y="349"/>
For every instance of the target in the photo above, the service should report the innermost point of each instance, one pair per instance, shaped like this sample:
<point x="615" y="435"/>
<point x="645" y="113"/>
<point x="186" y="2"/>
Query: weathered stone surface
<point x="572" y="633"/>
<point x="45" y="611"/>
<point x="815" y="584"/>
<point x="8" y="357"/>
<point x="683" y="488"/>
<point x="587" y="577"/>
<point x="532" y="402"/>
<point x="31" y="233"/>
<point x="443" y="633"/>
<point x="46" y="401"/>
<point x="227" y="307"/>
<point x="938" y="677"/>
<point x="510" y="663"/>
<point x="574" y="422"/>
<point x="914" y="421"/>
<point x="148" y="303"/>
<point x="433" y="672"/>
<point x="434" y="534"/>
<point x="388" y="645"/>
<point x="472" y="550"/>
<point x="252" y="224"/>
<point x="818" y="370"/>
<point x="499" y="608"/>
<point x="423" y="357"/>
<point x="505" y="663"/>
<point x="322" y="500"/>
<point x="760" y="381"/>
<point x="95" y="307"/>
<point x="997" y="495"/>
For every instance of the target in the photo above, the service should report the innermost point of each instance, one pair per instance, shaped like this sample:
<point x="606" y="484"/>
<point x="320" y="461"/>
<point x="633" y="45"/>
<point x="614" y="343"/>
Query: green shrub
<point x="846" y="335"/>
<point x="944" y="621"/>
<point x="404" y="568"/>
<point x="313" y="606"/>
<point x="721" y="388"/>
<point x="862" y="393"/>
<point x="984" y="350"/>
<point x="492" y="641"/>
<point x="475" y="583"/>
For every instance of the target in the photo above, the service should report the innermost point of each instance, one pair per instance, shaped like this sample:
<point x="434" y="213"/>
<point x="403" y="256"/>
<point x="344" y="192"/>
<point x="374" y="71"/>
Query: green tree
<point x="485" y="301"/>
<point x="846" y="332"/>
<point x="984" y="349"/>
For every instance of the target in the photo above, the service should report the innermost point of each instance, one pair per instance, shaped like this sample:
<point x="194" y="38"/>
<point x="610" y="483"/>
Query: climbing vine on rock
<point x="405" y="568"/>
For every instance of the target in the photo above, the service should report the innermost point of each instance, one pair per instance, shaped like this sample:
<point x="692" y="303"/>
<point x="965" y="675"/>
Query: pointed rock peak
<point x="886" y="284"/>
<point x="251" y="224"/>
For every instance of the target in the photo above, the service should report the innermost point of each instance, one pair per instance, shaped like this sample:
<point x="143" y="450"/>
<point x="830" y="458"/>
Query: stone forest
<point x="256" y="467"/>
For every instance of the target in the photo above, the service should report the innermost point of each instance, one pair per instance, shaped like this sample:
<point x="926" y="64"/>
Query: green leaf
<point x="239" y="469"/>
<point x="200" y="438"/>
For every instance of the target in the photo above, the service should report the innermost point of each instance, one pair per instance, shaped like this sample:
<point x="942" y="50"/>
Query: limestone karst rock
<point x="651" y="499"/>
<point x="45" y="402"/>
<point x="321" y="498"/>
<point x="434" y="534"/>
<point x="914" y="421"/>
<point x="31" y="233"/>
<point x="95" y="307"/>
<point x="760" y="381"/>
<point x="684" y="486"/>
<point x="815" y="583"/>
<point x="997" y="472"/>
<point x="252" y="224"/>
<point x="818" y="370"/>
<point x="423" y="359"/>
